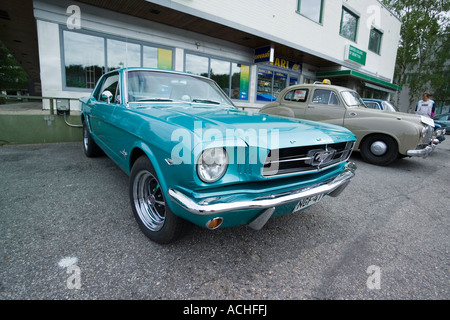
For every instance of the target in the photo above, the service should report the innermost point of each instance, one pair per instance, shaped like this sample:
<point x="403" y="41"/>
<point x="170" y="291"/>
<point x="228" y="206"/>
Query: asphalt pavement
<point x="67" y="232"/>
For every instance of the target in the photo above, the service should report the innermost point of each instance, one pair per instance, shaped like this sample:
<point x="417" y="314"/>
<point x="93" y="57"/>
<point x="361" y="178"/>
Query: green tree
<point x="423" y="55"/>
<point x="12" y="75"/>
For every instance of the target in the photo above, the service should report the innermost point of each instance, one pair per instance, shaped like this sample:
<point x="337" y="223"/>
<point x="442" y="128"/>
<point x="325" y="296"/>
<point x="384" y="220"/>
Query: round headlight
<point x="424" y="131"/>
<point x="212" y="164"/>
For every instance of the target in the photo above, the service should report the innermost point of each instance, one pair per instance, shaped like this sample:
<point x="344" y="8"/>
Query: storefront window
<point x="122" y="54"/>
<point x="84" y="57"/>
<point x="232" y="77"/>
<point x="197" y="65"/>
<point x="349" y="24"/>
<point x="220" y="73"/>
<point x="157" y="58"/>
<point x="293" y="80"/>
<point x="271" y="82"/>
<point x="279" y="83"/>
<point x="150" y="57"/>
<point x="264" y="90"/>
<point x="83" y="67"/>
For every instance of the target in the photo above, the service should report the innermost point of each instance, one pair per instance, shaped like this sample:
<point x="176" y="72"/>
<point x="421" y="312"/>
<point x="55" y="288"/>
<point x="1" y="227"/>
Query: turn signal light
<point x="214" y="223"/>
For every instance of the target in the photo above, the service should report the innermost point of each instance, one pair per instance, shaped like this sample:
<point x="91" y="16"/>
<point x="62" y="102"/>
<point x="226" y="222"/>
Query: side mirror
<point x="106" y="96"/>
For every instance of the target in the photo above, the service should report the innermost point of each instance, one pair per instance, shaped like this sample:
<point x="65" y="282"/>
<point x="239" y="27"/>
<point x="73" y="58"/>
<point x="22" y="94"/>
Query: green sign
<point x="354" y="54"/>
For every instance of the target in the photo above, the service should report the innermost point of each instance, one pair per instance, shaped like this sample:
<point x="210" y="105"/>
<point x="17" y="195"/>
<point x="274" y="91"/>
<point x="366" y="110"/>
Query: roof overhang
<point x="372" y="82"/>
<point x="18" y="33"/>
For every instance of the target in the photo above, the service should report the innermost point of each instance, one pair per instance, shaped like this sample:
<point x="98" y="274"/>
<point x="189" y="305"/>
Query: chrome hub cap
<point x="149" y="201"/>
<point x="378" y="148"/>
<point x="85" y="138"/>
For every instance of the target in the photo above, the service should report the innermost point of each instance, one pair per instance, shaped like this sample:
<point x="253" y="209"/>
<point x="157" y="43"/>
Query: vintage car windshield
<point x="389" y="106"/>
<point x="153" y="86"/>
<point x="352" y="99"/>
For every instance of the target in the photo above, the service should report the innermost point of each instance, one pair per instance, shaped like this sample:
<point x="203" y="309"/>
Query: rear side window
<point x="322" y="96"/>
<point x="372" y="105"/>
<point x="297" y="95"/>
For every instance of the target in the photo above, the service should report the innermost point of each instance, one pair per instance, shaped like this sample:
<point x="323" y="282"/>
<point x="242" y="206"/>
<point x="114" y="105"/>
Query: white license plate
<point x="308" y="201"/>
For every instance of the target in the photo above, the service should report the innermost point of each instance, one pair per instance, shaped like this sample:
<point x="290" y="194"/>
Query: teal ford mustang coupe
<point x="193" y="157"/>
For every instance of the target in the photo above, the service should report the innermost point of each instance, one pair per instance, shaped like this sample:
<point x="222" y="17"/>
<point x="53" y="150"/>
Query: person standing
<point x="425" y="106"/>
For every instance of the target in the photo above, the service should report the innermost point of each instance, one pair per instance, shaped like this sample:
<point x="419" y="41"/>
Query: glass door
<point x="279" y="83"/>
<point x="264" y="90"/>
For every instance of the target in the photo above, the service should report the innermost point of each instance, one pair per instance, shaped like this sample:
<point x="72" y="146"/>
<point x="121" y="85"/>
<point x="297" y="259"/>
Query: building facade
<point x="253" y="49"/>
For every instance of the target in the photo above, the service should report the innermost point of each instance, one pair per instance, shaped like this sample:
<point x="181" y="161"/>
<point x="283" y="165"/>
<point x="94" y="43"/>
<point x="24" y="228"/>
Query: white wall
<point x="278" y="21"/>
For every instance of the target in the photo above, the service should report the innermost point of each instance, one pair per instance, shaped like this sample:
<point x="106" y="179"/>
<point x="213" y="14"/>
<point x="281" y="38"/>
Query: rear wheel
<point x="379" y="149"/>
<point x="149" y="206"/>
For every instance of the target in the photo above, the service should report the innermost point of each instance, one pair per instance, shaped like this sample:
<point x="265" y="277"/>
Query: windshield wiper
<point x="206" y="101"/>
<point x="154" y="99"/>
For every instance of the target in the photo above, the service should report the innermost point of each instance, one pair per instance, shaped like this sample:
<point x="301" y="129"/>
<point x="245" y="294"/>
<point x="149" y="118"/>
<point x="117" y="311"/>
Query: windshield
<point x="151" y="86"/>
<point x="389" y="106"/>
<point x="352" y="99"/>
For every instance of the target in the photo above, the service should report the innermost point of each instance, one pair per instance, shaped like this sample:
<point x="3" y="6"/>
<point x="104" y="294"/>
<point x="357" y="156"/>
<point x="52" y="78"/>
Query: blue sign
<point x="263" y="54"/>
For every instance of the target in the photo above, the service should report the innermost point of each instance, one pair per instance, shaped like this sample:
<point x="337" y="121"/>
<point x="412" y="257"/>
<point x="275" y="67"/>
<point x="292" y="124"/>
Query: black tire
<point x="379" y="149"/>
<point x="150" y="209"/>
<point x="90" y="148"/>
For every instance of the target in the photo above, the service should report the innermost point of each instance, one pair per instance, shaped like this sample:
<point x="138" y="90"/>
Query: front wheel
<point x="149" y="206"/>
<point x="379" y="149"/>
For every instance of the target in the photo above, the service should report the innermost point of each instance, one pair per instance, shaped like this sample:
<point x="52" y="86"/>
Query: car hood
<point x="230" y="124"/>
<point x="367" y="112"/>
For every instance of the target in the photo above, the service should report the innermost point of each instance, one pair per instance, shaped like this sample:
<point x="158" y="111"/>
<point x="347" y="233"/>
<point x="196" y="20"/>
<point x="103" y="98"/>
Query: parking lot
<point x="67" y="232"/>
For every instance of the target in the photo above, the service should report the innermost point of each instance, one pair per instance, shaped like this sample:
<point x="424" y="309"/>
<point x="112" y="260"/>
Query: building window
<point x="375" y="40"/>
<point x="220" y="72"/>
<point x="349" y="24"/>
<point x="84" y="59"/>
<point x="232" y="77"/>
<point x="87" y="56"/>
<point x="122" y="54"/>
<point x="311" y="9"/>
<point x="271" y="81"/>
<point x="270" y="84"/>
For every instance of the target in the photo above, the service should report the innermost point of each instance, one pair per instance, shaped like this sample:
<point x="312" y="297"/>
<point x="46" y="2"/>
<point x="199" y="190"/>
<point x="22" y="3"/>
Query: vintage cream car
<point x="381" y="136"/>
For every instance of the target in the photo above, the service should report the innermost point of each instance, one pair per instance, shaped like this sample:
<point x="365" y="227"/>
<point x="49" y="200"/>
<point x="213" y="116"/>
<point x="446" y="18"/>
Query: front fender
<point x="405" y="133"/>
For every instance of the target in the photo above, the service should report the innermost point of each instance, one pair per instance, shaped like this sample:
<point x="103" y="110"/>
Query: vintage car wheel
<point x="150" y="209"/>
<point x="379" y="149"/>
<point x="90" y="148"/>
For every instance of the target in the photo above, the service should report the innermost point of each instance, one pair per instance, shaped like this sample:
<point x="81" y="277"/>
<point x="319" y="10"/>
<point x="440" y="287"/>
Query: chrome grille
<point x="429" y="134"/>
<point x="307" y="158"/>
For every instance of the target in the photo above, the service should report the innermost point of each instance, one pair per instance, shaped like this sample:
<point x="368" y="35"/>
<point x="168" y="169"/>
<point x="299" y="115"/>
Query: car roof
<point x="374" y="100"/>
<point x="321" y="86"/>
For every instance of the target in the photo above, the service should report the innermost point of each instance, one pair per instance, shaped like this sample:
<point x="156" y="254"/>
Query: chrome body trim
<point x="331" y="187"/>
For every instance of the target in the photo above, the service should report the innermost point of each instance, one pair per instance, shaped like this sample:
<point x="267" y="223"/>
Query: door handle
<point x="352" y="114"/>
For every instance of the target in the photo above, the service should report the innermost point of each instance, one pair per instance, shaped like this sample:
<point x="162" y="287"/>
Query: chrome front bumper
<point x="425" y="152"/>
<point x="331" y="187"/>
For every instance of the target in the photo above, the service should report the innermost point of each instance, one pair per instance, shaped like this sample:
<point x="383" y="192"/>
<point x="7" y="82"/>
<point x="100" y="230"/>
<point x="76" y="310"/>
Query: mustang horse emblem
<point x="319" y="157"/>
